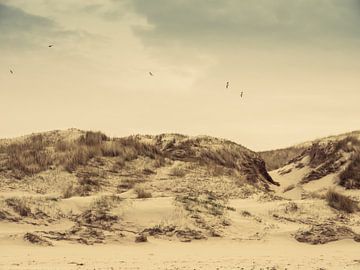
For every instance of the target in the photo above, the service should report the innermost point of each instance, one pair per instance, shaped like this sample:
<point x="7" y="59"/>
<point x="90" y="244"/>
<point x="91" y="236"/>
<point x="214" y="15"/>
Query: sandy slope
<point x="257" y="241"/>
<point x="240" y="226"/>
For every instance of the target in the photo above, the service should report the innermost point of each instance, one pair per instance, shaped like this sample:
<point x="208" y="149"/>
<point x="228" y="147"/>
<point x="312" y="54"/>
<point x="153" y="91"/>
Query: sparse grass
<point x="126" y="184"/>
<point x="92" y="138"/>
<point x="34" y="207"/>
<point x="99" y="215"/>
<point x="348" y="144"/>
<point x="19" y="206"/>
<point x="224" y="157"/>
<point x="69" y="191"/>
<point x="275" y="159"/>
<point x="350" y="177"/>
<point x="105" y="202"/>
<point x="206" y="201"/>
<point x="206" y="209"/>
<point x="217" y="170"/>
<point x="77" y="156"/>
<point x="159" y="161"/>
<point x="141" y="192"/>
<point x="88" y="183"/>
<point x="178" y="171"/>
<point x="341" y="202"/>
<point x="95" y="144"/>
<point x="29" y="157"/>
<point x="36" y="239"/>
<point x="118" y="165"/>
<point x="112" y="149"/>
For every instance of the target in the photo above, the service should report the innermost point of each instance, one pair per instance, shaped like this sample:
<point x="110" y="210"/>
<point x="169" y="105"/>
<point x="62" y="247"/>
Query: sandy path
<point x="275" y="253"/>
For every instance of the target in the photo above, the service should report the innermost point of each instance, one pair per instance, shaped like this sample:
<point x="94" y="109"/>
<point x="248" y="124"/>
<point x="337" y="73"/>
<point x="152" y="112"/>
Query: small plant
<point x="128" y="183"/>
<point x="341" y="202"/>
<point x="105" y="202"/>
<point x="141" y="192"/>
<point x="69" y="191"/>
<point x="141" y="238"/>
<point x="178" y="171"/>
<point x="291" y="207"/>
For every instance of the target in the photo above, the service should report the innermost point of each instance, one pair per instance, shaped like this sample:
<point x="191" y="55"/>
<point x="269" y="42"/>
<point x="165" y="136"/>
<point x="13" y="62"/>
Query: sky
<point x="296" y="62"/>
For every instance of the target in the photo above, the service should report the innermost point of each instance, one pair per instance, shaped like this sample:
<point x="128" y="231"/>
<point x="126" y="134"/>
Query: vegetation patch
<point x="36" y="239"/>
<point x="341" y="202"/>
<point x="324" y="233"/>
<point x="208" y="211"/>
<point x="141" y="192"/>
<point x="350" y="177"/>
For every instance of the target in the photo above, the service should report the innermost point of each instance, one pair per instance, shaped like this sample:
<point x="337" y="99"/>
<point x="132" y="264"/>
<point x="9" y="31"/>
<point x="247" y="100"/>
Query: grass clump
<point x="178" y="171"/>
<point x="29" y="157"/>
<point x="341" y="202"/>
<point x="19" y="206"/>
<point x="350" y="177"/>
<point x="92" y="138"/>
<point x="141" y="192"/>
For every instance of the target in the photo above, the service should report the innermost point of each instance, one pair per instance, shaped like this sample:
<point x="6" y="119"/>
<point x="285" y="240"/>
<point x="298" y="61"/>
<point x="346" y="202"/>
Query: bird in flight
<point x="51" y="45"/>
<point x="12" y="72"/>
<point x="227" y="85"/>
<point x="150" y="73"/>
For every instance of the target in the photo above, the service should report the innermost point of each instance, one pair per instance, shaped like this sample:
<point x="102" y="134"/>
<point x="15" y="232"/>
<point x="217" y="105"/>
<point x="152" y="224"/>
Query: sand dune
<point x="177" y="203"/>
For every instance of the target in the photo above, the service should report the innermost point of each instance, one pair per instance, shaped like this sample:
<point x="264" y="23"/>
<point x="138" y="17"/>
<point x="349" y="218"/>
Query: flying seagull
<point x="227" y="85"/>
<point x="151" y="74"/>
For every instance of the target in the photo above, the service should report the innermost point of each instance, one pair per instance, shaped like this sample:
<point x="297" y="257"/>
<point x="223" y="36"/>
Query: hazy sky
<point x="297" y="62"/>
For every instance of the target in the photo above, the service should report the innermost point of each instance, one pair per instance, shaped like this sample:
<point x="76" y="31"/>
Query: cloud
<point x="22" y="30"/>
<point x="248" y="22"/>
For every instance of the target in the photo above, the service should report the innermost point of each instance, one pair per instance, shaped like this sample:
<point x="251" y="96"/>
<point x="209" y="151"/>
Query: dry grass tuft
<point x="36" y="239"/>
<point x="141" y="192"/>
<point x="19" y="206"/>
<point x="350" y="177"/>
<point x="178" y="171"/>
<point x="92" y="138"/>
<point x="29" y="157"/>
<point x="341" y="202"/>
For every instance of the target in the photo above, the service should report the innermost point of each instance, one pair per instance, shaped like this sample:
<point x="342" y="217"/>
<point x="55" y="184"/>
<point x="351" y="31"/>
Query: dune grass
<point x="341" y="202"/>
